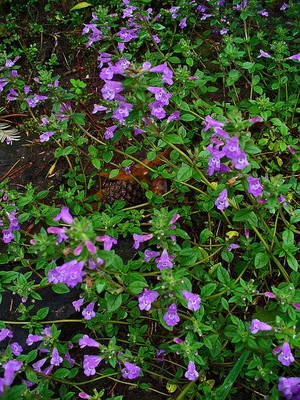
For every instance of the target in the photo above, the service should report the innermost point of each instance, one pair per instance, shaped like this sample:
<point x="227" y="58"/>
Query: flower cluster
<point x="9" y="222"/>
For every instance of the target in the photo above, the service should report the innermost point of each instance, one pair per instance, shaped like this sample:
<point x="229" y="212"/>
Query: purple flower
<point x="256" y="119"/>
<point x="90" y="363"/>
<point x="209" y="122"/>
<point x="148" y="254"/>
<point x="99" y="108"/>
<point x="232" y="246"/>
<point x="33" y="339"/>
<point x="221" y="203"/>
<point x="160" y="355"/>
<point x="70" y="273"/>
<point x="104" y="58"/>
<point x="38" y="365"/>
<point x="173" y="11"/>
<point x="270" y="295"/>
<point x="295" y="57"/>
<point x="64" y="215"/>
<point x="284" y="7"/>
<point x="240" y="161"/>
<point x="55" y="358"/>
<point x="122" y="111"/>
<point x="289" y="387"/>
<point x="263" y="12"/>
<point x="140" y="239"/>
<point x="12" y="95"/>
<point x="254" y="187"/>
<point x="257" y="325"/>
<point x="107" y="73"/>
<point x="171" y="317"/>
<point x="164" y="261"/>
<point x="191" y="373"/>
<point x="182" y="23"/>
<point x="10" y="367"/>
<point x="16" y="349"/>
<point x="194" y="300"/>
<point x="131" y="371"/>
<point x="157" y="109"/>
<point x="111" y="89"/>
<point x="109" y="133"/>
<point x="4" y="333"/>
<point x="60" y="232"/>
<point x="296" y="305"/>
<point x="87" y="341"/>
<point x="128" y="34"/>
<point x="175" y="115"/>
<point x="146" y="299"/>
<point x="108" y="241"/>
<point x="89" y="313"/>
<point x="160" y="94"/>
<point x="7" y="235"/>
<point x="77" y="304"/>
<point x="263" y="54"/>
<point x="44" y="137"/>
<point x="231" y="148"/>
<point x="285" y="357"/>
<point x="91" y="247"/>
<point x="165" y="70"/>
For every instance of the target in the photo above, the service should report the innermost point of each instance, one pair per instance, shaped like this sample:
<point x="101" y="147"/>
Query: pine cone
<point x="128" y="191"/>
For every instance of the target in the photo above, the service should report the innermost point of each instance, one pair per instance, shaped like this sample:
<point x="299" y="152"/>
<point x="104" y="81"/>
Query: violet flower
<point x="89" y="313"/>
<point x="164" y="261"/>
<point x="98" y="108"/>
<point x="284" y="6"/>
<point x="64" y="215"/>
<point x="131" y="371"/>
<point x="55" y="358"/>
<point x="109" y="132"/>
<point x="285" y="357"/>
<point x="140" y="239"/>
<point x="174" y="116"/>
<point x="209" y="122"/>
<point x="191" y="373"/>
<point x="108" y="241"/>
<point x="77" y="304"/>
<point x="295" y="57"/>
<point x="182" y="23"/>
<point x="240" y="161"/>
<point x="38" y="365"/>
<point x="157" y="109"/>
<point x="60" y="232"/>
<point x="122" y="112"/>
<point x="254" y="187"/>
<point x="146" y="298"/>
<point x="257" y="325"/>
<point x="33" y="339"/>
<point x="148" y="254"/>
<point x="171" y="317"/>
<point x="44" y="137"/>
<point x="231" y="149"/>
<point x="221" y="203"/>
<point x="8" y="236"/>
<point x="289" y="387"/>
<point x="4" y="333"/>
<point x="16" y="349"/>
<point x="87" y="341"/>
<point x="90" y="363"/>
<point x="10" y="367"/>
<point x="263" y="54"/>
<point x="194" y="300"/>
<point x="160" y="355"/>
<point x="160" y="94"/>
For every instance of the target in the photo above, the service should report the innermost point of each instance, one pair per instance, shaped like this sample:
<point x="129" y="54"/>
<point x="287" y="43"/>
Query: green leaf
<point x="78" y="6"/>
<point x="292" y="262"/>
<point x="113" y="173"/>
<point x="60" y="288"/>
<point x="222" y="392"/>
<point x="174" y="60"/>
<point x="113" y="302"/>
<point x="261" y="260"/>
<point x="188" y="117"/>
<point x="223" y="275"/>
<point x="189" y="62"/>
<point x="96" y="163"/>
<point x="61" y="373"/>
<point x="185" y="172"/>
<point x="246" y="215"/>
<point x="173" y="138"/>
<point x="78" y="118"/>
<point x="208" y="289"/>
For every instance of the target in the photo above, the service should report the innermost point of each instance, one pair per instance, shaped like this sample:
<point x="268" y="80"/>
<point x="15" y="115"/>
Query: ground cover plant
<point x="172" y="232"/>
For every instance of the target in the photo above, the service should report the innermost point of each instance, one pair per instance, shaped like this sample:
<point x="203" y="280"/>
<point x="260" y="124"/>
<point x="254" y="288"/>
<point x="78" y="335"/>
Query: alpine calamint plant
<point x="208" y="300"/>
